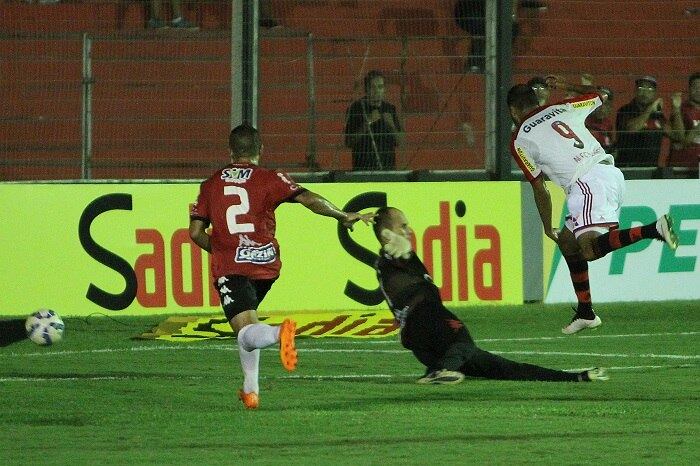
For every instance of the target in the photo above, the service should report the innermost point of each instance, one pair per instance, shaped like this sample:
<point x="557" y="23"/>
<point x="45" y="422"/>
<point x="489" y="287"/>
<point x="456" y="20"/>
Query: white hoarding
<point x="647" y="270"/>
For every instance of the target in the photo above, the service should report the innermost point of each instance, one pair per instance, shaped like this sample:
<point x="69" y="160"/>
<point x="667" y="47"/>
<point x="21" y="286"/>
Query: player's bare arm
<point x="674" y="128"/>
<point x="640" y="121"/>
<point x="558" y="82"/>
<point x="322" y="206"/>
<point x="543" y="201"/>
<point x="199" y="235"/>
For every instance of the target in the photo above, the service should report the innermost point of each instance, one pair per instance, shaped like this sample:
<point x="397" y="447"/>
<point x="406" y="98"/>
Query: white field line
<point x="387" y="376"/>
<point x="603" y="355"/>
<point x="179" y="346"/>
<point x="96" y="378"/>
<point x="570" y="337"/>
<point x="328" y="350"/>
<point x="299" y="377"/>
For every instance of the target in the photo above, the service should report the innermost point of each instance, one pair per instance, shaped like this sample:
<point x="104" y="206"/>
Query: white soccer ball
<point x="44" y="327"/>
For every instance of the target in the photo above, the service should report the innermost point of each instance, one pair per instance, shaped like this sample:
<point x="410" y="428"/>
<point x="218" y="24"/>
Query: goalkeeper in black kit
<point x="437" y="337"/>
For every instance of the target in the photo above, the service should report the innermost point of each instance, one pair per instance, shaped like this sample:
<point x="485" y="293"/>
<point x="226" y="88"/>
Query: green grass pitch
<point x="100" y="397"/>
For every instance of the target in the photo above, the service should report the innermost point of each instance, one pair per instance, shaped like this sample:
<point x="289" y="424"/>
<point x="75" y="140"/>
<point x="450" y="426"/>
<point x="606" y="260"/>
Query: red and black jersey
<point x="602" y="130"/>
<point x="638" y="148"/>
<point x="687" y="155"/>
<point x="239" y="202"/>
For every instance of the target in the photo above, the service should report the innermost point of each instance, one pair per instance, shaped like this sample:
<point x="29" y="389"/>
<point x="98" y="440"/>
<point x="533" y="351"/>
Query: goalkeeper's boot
<point x="594" y="375"/>
<point x="664" y="226"/>
<point x="577" y="324"/>
<point x="250" y="400"/>
<point x="441" y="377"/>
<point x="288" y="351"/>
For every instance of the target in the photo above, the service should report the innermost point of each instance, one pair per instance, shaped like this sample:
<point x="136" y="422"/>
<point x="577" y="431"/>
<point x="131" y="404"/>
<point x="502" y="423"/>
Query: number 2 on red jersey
<point x="238" y="209"/>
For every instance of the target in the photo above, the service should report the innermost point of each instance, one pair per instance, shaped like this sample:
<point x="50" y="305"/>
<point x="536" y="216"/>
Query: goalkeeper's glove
<point x="396" y="246"/>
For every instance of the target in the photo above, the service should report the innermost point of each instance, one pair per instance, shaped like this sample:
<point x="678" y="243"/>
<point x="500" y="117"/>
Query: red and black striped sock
<point x="616" y="239"/>
<point x="578" y="268"/>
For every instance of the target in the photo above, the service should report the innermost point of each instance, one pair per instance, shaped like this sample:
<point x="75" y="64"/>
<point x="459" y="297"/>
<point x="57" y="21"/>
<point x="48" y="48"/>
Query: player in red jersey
<point x="686" y="153"/>
<point x="554" y="141"/>
<point x="239" y="202"/>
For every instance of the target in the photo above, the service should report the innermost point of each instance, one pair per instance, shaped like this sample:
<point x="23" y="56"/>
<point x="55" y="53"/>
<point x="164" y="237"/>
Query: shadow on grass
<point x="455" y="438"/>
<point x="12" y="331"/>
<point x="127" y="376"/>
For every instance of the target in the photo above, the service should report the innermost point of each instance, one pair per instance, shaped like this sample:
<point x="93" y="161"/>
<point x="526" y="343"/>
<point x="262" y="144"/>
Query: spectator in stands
<point x="537" y="5"/>
<point x="178" y="22"/>
<point x="266" y="18"/>
<point x="641" y="126"/>
<point x="542" y="91"/>
<point x="470" y="16"/>
<point x="372" y="127"/>
<point x="600" y="123"/>
<point x="686" y="152"/>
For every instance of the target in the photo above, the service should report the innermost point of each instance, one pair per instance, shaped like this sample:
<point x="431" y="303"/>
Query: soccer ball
<point x="44" y="327"/>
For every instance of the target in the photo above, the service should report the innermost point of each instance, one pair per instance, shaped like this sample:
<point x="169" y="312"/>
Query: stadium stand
<point x="161" y="100"/>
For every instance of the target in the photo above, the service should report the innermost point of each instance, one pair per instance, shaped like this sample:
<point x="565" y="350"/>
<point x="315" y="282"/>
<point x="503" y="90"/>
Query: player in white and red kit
<point x="239" y="203"/>
<point x="554" y="141"/>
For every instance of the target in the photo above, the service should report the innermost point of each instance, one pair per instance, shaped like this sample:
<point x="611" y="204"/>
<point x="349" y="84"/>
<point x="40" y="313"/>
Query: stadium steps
<point x="118" y="100"/>
<point x="103" y="16"/>
<point x="667" y="25"/>
<point x="645" y="37"/>
<point x="600" y="47"/>
<point x="623" y="10"/>
<point x="145" y="68"/>
<point x="633" y="66"/>
<point x="285" y="140"/>
<point x="59" y="17"/>
<point x="428" y="18"/>
<point x="25" y="102"/>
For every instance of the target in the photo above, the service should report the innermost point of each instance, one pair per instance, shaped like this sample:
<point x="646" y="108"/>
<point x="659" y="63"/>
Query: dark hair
<point x="537" y="81"/>
<point x="370" y="76"/>
<point x="692" y="78"/>
<point x="381" y="219"/>
<point x="521" y="96"/>
<point x="244" y="140"/>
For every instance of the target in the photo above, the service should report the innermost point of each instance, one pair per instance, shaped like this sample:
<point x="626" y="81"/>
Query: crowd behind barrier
<point x="160" y="96"/>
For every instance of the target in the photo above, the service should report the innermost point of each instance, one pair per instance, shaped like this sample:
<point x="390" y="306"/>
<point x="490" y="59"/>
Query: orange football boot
<point x="288" y="352"/>
<point x="250" y="400"/>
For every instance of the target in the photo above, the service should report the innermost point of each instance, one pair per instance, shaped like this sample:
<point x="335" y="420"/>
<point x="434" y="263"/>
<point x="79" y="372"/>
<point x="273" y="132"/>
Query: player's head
<point x="694" y="88"/>
<point x="374" y="87"/>
<point x="521" y="100"/>
<point x="390" y="218"/>
<point x="244" y="143"/>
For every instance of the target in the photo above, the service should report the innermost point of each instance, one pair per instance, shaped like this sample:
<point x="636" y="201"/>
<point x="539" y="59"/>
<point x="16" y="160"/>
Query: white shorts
<point x="595" y="199"/>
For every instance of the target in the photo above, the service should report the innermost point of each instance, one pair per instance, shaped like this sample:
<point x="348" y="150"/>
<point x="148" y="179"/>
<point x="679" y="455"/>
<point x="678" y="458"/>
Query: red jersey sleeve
<point x="283" y="188"/>
<point x="523" y="153"/>
<point x="200" y="209"/>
